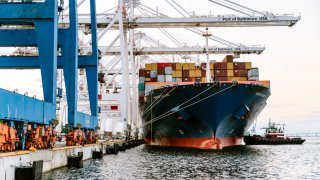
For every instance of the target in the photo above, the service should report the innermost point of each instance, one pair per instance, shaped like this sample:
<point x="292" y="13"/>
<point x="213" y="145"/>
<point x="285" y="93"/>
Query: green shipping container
<point x="174" y="79"/>
<point x="141" y="86"/>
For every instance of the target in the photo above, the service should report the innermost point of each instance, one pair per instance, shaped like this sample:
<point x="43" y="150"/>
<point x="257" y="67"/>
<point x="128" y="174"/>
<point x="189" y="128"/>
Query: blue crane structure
<point x="36" y="25"/>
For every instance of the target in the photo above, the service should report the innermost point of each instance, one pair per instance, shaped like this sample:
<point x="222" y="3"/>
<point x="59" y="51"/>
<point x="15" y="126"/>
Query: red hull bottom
<point x="198" y="143"/>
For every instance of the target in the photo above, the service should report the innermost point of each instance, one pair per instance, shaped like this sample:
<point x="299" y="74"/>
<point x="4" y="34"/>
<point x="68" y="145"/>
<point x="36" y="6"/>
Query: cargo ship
<point x="180" y="109"/>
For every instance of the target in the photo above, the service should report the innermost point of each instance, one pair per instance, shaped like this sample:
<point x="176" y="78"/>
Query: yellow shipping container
<point x="237" y="79"/>
<point x="148" y="66"/>
<point x="248" y="65"/>
<point x="203" y="79"/>
<point x="243" y="79"/>
<point x="229" y="65"/>
<point x="230" y="73"/>
<point x="177" y="74"/>
<point x="179" y="66"/>
<point x="147" y="79"/>
<point x="211" y="66"/>
<point x="154" y="66"/>
<point x="188" y="66"/>
<point x="173" y="74"/>
<point x="198" y="73"/>
<point x="192" y="73"/>
<point x="212" y="73"/>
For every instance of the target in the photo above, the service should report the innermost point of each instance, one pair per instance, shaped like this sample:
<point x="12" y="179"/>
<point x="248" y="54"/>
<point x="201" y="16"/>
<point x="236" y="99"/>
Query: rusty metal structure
<point x="75" y="137"/>
<point x="8" y="138"/>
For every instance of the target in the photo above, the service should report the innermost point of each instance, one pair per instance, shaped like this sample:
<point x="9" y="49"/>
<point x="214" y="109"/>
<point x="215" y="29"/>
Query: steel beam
<point x="32" y="62"/>
<point x="181" y="22"/>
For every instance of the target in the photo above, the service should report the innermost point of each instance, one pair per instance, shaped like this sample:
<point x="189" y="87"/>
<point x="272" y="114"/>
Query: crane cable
<point x="156" y="101"/>
<point x="192" y="98"/>
<point x="172" y="112"/>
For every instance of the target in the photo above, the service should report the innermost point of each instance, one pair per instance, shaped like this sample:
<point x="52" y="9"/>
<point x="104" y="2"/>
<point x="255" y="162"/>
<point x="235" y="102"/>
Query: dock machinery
<point x="28" y="23"/>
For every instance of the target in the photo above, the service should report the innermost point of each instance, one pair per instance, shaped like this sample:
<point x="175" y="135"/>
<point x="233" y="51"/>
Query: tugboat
<point x="273" y="136"/>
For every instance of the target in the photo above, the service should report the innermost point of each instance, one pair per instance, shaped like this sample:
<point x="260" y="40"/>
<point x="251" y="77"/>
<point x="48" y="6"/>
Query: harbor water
<point x="242" y="162"/>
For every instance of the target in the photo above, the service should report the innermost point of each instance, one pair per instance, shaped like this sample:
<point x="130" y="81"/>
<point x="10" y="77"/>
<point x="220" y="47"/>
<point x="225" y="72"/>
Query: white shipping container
<point x="253" y="78"/>
<point x="161" y="78"/>
<point x="168" y="78"/>
<point x="153" y="74"/>
<point x="149" y="87"/>
<point x="178" y="79"/>
<point x="254" y="72"/>
<point x="168" y="70"/>
<point x="141" y="79"/>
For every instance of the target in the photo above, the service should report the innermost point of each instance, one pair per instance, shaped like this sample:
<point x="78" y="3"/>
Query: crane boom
<point x="115" y="51"/>
<point x="181" y="22"/>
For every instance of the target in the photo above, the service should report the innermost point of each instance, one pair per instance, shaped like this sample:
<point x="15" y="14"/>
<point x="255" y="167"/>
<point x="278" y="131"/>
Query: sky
<point x="291" y="60"/>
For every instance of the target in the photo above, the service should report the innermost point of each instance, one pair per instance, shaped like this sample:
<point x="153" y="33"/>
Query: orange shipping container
<point x="192" y="73"/>
<point x="198" y="73"/>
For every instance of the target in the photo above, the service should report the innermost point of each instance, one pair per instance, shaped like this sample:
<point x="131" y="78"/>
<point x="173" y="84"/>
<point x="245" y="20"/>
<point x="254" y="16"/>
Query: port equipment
<point x="34" y="23"/>
<point x="152" y="18"/>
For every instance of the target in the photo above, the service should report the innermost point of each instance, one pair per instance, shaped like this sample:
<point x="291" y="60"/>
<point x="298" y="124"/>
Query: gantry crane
<point x="151" y="18"/>
<point x="33" y="23"/>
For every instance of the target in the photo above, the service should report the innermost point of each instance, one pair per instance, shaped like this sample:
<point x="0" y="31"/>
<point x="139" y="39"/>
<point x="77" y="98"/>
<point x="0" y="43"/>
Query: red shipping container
<point x="236" y="73"/>
<point x="220" y="73"/>
<point x="242" y="65"/>
<point x="221" y="78"/>
<point x="187" y="79"/>
<point x="160" y="70"/>
<point x="141" y="73"/>
<point x="147" y="73"/>
<point x="164" y="65"/>
<point x="174" y="66"/>
<point x="198" y="79"/>
<point x="242" y="73"/>
<point x="217" y="65"/>
<point x="203" y="73"/>
<point x="153" y="80"/>
<point x="185" y="73"/>
<point x="239" y="65"/>
<point x="223" y="65"/>
<point x="228" y="58"/>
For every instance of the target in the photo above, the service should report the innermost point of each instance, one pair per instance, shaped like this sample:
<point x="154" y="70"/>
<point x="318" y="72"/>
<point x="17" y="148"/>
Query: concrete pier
<point x="52" y="158"/>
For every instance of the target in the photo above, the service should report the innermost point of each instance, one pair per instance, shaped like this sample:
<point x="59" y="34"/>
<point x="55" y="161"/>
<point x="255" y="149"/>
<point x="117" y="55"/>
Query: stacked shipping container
<point x="227" y="70"/>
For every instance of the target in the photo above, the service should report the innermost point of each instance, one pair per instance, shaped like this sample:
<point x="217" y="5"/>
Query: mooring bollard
<point x="116" y="148"/>
<point x="76" y="161"/>
<point x="97" y="154"/>
<point x="33" y="172"/>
